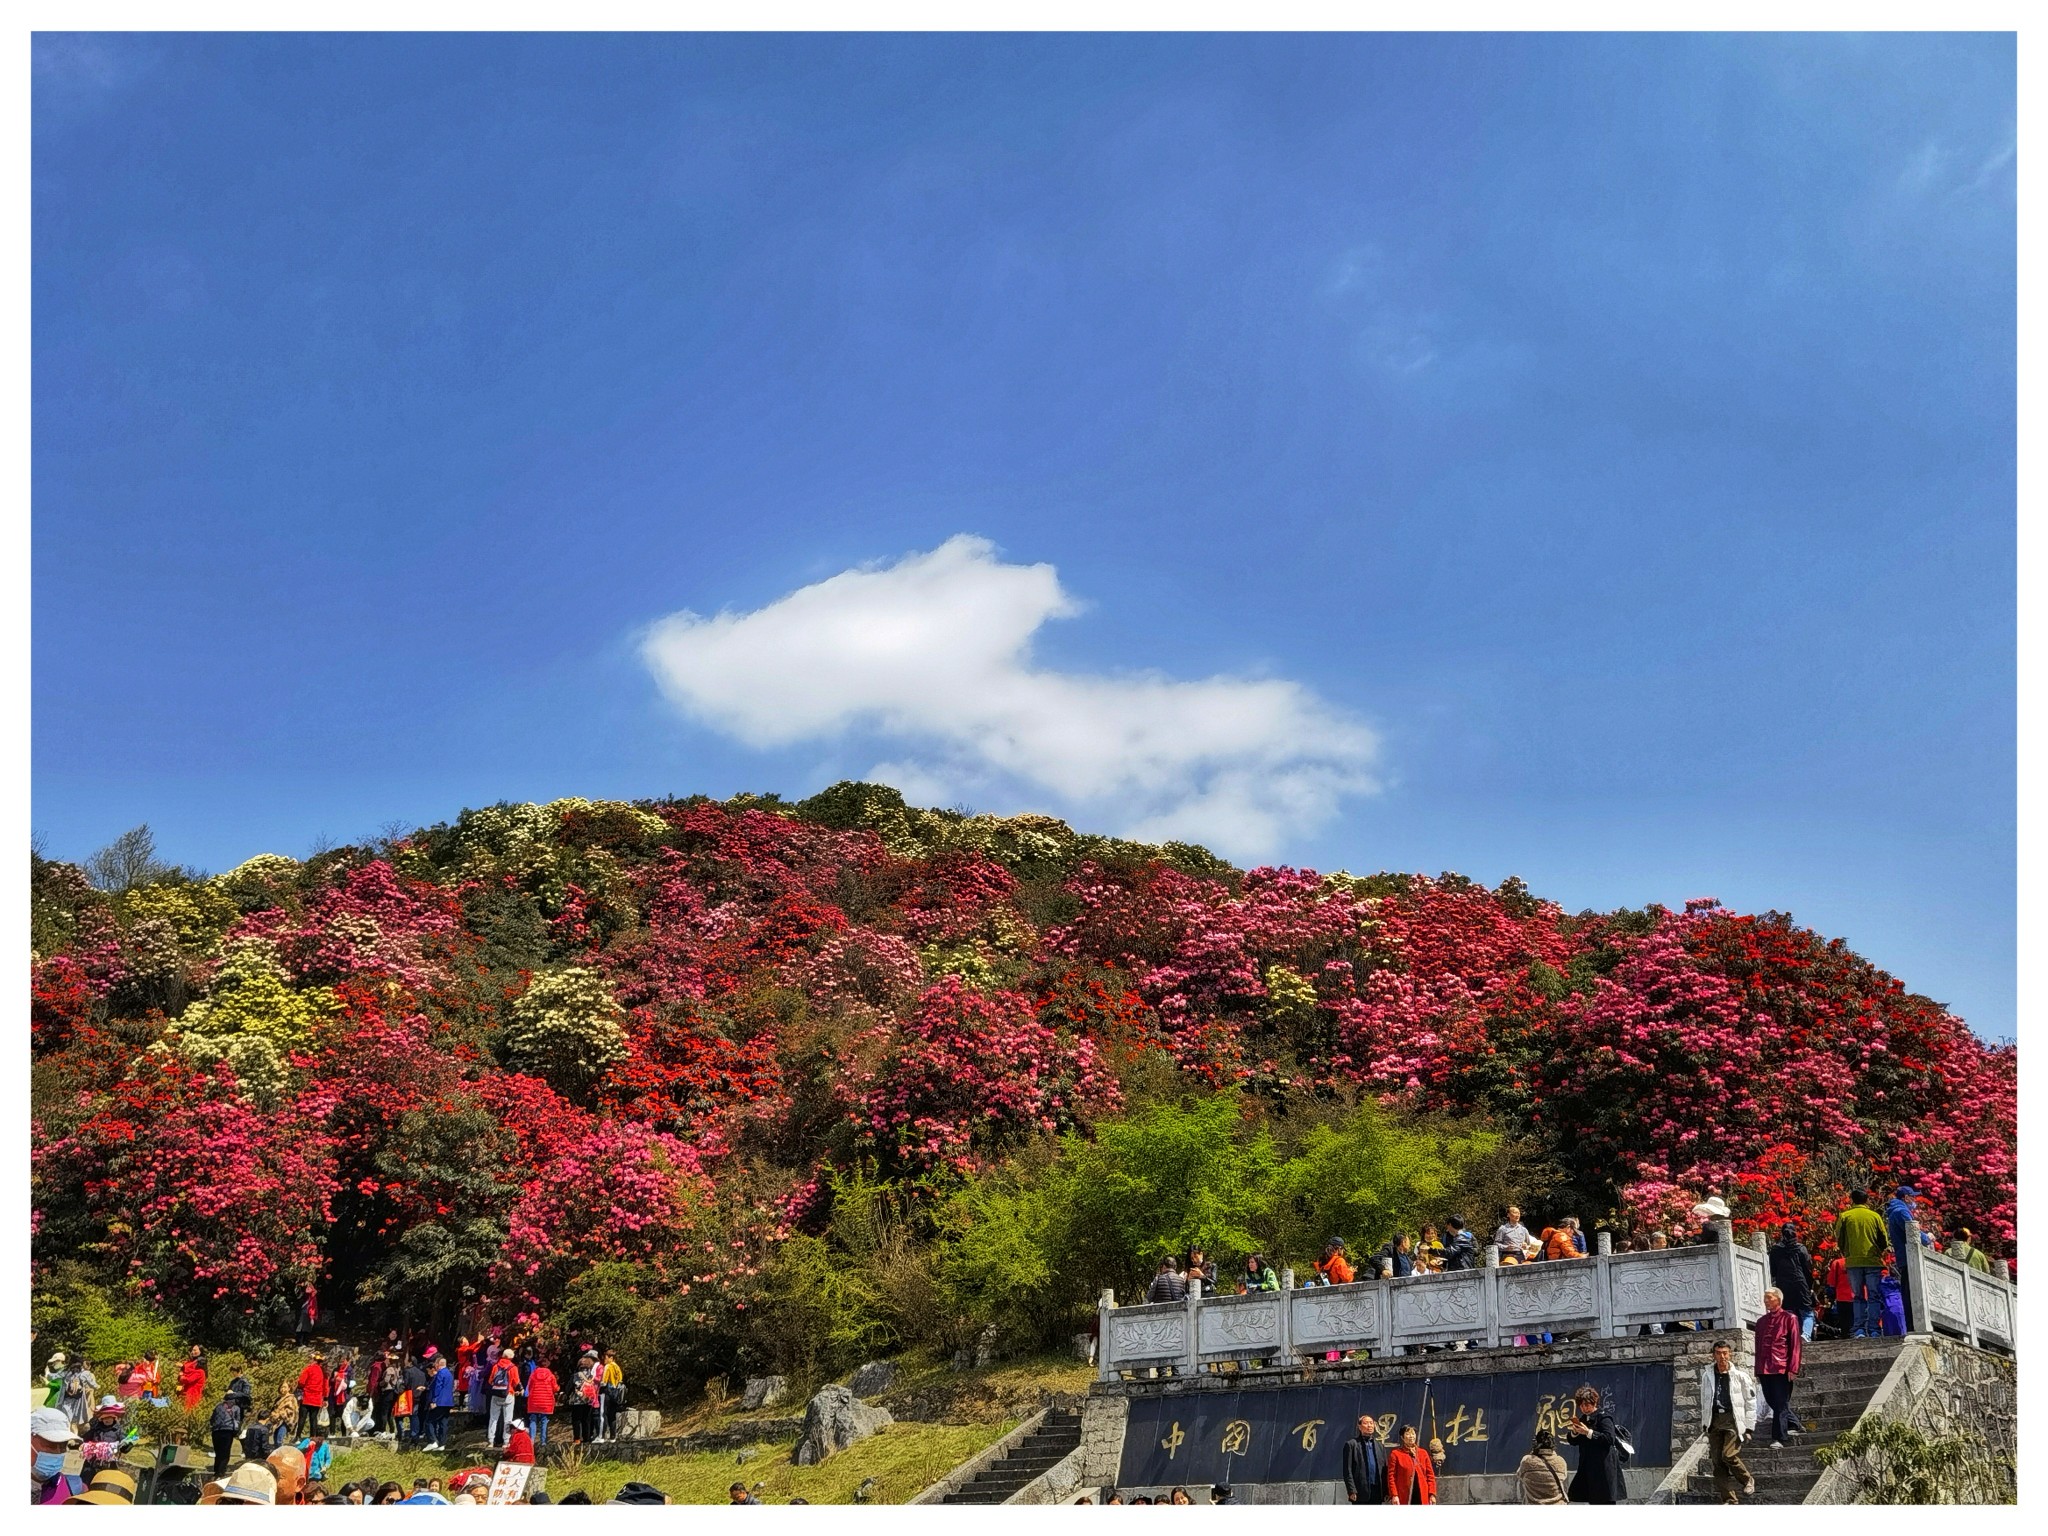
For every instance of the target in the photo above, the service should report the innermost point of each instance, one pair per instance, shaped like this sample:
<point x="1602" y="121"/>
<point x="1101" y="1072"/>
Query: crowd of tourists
<point x="1861" y="1292"/>
<point x="405" y="1394"/>
<point x="514" y="1389"/>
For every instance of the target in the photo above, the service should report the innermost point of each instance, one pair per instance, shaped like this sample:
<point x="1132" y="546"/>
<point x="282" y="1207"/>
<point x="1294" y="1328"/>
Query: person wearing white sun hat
<point x="250" y="1483"/>
<point x="51" y="1439"/>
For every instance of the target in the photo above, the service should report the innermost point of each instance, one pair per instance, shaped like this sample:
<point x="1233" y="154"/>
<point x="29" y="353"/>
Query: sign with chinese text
<point x="1297" y="1434"/>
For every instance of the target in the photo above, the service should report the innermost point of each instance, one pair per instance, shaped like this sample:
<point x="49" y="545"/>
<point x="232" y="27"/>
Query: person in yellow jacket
<point x="1861" y="1238"/>
<point x="611" y="1397"/>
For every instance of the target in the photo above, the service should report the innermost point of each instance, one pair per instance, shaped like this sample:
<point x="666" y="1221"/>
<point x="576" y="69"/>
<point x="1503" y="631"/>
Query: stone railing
<point x="1949" y="1297"/>
<point x="1603" y="1295"/>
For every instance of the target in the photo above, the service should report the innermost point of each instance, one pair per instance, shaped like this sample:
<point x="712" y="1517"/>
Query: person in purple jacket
<point x="1777" y="1362"/>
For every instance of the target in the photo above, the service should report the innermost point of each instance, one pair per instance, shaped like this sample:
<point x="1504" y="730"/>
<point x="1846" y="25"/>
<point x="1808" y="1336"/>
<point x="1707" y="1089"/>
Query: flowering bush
<point x="622" y="1194"/>
<point x="971" y="1072"/>
<point x="566" y="1028"/>
<point x="199" y="1195"/>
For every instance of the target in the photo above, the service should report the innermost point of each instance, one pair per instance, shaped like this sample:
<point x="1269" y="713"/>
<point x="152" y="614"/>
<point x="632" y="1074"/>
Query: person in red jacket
<point x="1777" y="1362"/>
<point x="520" y="1446"/>
<point x="192" y="1379"/>
<point x="312" y="1395"/>
<point x="541" y="1388"/>
<point x="1844" y="1295"/>
<point x="1411" y="1472"/>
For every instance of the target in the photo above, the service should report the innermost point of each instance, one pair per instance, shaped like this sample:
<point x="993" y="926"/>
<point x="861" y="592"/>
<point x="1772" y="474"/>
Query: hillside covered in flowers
<point x="676" y="1066"/>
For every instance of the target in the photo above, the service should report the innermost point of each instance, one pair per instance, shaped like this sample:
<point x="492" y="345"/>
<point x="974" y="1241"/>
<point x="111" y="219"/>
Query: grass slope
<point x="903" y="1459"/>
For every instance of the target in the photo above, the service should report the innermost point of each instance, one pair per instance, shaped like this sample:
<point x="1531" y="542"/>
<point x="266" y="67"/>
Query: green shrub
<point x="813" y="1315"/>
<point x="83" y="1319"/>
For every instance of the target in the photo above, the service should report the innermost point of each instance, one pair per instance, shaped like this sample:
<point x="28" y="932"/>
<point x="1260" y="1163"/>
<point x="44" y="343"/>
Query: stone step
<point x="1767" y="1478"/>
<point x="1844" y="1371"/>
<point x="1036" y="1448"/>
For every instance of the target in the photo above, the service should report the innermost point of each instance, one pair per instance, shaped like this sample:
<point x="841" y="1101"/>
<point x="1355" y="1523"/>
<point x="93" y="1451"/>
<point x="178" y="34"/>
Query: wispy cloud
<point x="1396" y="338"/>
<point x="934" y="653"/>
<point x="78" y="62"/>
<point x="1994" y="162"/>
<point x="1934" y="168"/>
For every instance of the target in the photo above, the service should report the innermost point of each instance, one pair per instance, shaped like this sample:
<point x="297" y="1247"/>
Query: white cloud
<point x="934" y="654"/>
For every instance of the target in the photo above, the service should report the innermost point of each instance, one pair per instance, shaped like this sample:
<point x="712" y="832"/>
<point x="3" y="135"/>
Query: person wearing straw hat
<point x="250" y="1483"/>
<point x="51" y="1439"/>
<point x="112" y="1486"/>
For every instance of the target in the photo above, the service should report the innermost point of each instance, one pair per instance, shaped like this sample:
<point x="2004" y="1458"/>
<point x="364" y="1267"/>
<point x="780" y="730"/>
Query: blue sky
<point x="1583" y="458"/>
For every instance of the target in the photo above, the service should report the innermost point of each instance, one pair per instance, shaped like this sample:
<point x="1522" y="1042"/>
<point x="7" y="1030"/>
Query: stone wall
<point x="1102" y="1437"/>
<point x="1104" y="1416"/>
<point x="1943" y="1386"/>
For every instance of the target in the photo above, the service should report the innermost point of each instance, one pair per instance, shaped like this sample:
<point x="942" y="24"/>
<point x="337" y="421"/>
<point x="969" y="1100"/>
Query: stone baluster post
<point x="2003" y="1269"/>
<point x="1913" y="1279"/>
<point x="1724" y="1261"/>
<point x="1194" y="1356"/>
<point x="1287" y="1316"/>
<point x="1489" y="1294"/>
<point x="1104" y="1305"/>
<point x="1603" y="1291"/>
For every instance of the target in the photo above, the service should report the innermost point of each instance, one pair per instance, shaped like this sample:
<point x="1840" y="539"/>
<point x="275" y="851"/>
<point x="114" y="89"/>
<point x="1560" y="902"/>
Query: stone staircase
<point x="1836" y="1382"/>
<point x="1056" y="1438"/>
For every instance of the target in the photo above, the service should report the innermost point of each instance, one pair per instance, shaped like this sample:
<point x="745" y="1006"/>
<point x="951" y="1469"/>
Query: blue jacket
<point x="443" y="1388"/>
<point x="1897" y="1213"/>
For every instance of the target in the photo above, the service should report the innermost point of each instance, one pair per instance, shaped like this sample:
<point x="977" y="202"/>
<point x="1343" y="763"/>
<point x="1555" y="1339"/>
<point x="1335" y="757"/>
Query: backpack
<point x="501" y="1376"/>
<point x="227" y="1415"/>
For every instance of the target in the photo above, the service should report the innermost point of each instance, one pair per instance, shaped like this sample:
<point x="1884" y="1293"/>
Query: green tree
<point x="1892" y="1462"/>
<point x="449" y="1162"/>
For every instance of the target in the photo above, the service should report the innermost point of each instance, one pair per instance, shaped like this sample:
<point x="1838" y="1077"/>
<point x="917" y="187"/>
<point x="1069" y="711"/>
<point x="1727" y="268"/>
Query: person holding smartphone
<point x="1592" y="1431"/>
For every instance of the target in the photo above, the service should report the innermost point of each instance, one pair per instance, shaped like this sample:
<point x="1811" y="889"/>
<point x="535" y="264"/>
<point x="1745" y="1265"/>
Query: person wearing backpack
<point x="586" y="1400"/>
<point x="81" y="1391"/>
<point x="226" y="1426"/>
<point x="1603" y="1450"/>
<point x="1964" y="1250"/>
<point x="502" y="1381"/>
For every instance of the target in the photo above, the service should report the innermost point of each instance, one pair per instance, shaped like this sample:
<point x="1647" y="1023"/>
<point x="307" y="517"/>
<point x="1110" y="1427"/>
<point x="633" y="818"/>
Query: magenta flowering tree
<point x="208" y="1202"/>
<point x="971" y="1073"/>
<point x="622" y="1193"/>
